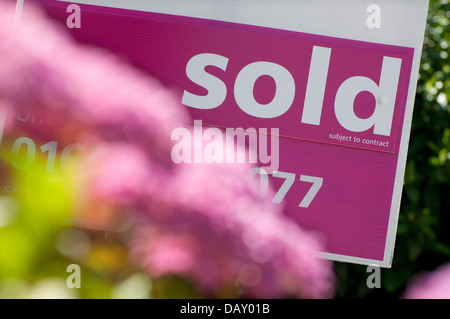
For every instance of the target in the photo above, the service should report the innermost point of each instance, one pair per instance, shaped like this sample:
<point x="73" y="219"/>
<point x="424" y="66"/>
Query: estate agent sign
<point x="330" y="84"/>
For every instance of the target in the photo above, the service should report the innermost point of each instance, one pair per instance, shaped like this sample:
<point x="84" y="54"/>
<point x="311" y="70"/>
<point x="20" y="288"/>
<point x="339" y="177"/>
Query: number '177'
<point x="289" y="179"/>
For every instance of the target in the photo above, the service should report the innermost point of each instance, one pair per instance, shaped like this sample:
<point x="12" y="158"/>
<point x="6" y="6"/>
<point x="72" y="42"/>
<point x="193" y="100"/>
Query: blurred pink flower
<point x="121" y="172"/>
<point x="434" y="285"/>
<point x="235" y="234"/>
<point x="203" y="221"/>
<point x="42" y="69"/>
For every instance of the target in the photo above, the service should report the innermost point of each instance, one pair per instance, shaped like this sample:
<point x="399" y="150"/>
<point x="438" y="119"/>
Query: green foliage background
<point x="423" y="236"/>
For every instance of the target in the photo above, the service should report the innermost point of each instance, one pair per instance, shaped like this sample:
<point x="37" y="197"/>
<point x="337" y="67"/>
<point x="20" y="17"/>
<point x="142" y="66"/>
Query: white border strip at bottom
<point x="355" y="260"/>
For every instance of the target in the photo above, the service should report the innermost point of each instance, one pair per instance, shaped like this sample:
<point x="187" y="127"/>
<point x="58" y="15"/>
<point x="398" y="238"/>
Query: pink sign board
<point x="338" y="106"/>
